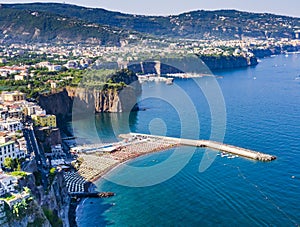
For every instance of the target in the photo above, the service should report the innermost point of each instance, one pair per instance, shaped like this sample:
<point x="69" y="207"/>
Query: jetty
<point x="92" y="194"/>
<point x="204" y="143"/>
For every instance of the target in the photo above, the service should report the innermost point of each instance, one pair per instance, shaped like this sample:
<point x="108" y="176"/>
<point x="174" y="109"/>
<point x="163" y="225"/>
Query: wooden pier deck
<point x="208" y="144"/>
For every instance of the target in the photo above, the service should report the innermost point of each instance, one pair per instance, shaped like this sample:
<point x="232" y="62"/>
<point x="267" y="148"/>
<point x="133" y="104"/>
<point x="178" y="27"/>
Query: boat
<point x="169" y="81"/>
<point x="224" y="155"/>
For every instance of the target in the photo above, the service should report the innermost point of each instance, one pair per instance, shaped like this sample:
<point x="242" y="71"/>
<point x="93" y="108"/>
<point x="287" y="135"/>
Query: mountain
<point x="31" y="26"/>
<point x="220" y="24"/>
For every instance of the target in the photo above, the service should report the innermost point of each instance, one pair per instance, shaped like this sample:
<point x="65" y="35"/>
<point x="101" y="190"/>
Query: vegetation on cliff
<point x="107" y="79"/>
<point x="40" y="83"/>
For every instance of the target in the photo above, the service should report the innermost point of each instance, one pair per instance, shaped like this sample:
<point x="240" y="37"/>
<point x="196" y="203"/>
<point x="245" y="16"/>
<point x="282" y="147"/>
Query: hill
<point x="22" y="25"/>
<point x="220" y="24"/>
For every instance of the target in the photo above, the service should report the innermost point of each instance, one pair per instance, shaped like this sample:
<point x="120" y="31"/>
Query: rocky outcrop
<point x="192" y="64"/>
<point x="59" y="104"/>
<point x="55" y="199"/>
<point x="43" y="208"/>
<point x="275" y="50"/>
<point x="32" y="216"/>
<point x="153" y="67"/>
<point x="261" y="53"/>
<point x="119" y="96"/>
<point x="228" y="62"/>
<point x="48" y="136"/>
<point x="108" y="100"/>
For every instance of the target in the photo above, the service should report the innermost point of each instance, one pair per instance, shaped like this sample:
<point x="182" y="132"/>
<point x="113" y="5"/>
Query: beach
<point x="95" y="165"/>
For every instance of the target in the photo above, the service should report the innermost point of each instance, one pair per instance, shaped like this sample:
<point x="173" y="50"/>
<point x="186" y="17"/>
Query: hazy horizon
<point x="150" y="8"/>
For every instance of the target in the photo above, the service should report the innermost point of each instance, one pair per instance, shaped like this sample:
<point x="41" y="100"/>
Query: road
<point x="33" y="147"/>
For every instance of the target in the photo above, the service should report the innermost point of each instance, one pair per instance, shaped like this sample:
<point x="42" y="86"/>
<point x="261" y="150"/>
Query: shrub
<point x="19" y="174"/>
<point x="52" y="217"/>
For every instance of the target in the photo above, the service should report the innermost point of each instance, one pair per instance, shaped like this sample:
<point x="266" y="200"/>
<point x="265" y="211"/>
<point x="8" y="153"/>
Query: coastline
<point x="78" y="204"/>
<point x="74" y="205"/>
<point x="112" y="167"/>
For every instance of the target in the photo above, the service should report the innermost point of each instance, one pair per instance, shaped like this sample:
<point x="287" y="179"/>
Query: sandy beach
<point x="95" y="165"/>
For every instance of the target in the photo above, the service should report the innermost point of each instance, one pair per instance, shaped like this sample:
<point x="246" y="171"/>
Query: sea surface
<point x="262" y="113"/>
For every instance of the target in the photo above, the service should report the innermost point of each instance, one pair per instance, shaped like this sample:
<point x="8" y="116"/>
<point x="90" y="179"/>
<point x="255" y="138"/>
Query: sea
<point x="256" y="108"/>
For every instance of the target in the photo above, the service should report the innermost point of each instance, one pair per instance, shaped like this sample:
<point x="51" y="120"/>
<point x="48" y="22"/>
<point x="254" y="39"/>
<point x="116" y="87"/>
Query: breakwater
<point x="92" y="194"/>
<point x="208" y="144"/>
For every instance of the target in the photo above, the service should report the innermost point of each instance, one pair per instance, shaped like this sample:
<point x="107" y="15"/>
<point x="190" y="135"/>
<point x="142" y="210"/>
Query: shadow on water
<point x="97" y="207"/>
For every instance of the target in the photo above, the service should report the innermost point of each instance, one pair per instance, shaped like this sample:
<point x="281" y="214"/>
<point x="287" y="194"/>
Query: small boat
<point x="169" y="81"/>
<point x="219" y="77"/>
<point x="224" y="155"/>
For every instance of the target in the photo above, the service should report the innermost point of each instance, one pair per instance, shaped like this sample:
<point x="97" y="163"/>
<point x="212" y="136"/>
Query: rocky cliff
<point x="59" y="104"/>
<point x="228" y="62"/>
<point x="31" y="217"/>
<point x="275" y="50"/>
<point x="120" y="95"/>
<point x="44" y="208"/>
<point x="192" y="64"/>
<point x="108" y="100"/>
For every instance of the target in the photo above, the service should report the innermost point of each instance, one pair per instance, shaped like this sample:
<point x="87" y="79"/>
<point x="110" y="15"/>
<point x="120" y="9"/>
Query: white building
<point x="9" y="149"/>
<point x="56" y="152"/>
<point x="21" y="147"/>
<point x="32" y="108"/>
<point x="11" y="125"/>
<point x="54" y="67"/>
<point x="7" y="183"/>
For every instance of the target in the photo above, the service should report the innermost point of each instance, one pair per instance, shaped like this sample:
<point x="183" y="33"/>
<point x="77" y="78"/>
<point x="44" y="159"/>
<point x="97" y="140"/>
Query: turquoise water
<point x="263" y="113"/>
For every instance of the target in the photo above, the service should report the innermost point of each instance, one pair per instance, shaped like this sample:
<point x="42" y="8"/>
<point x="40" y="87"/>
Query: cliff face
<point x="59" y="104"/>
<point x="108" y="100"/>
<point x="153" y="68"/>
<point x="56" y="199"/>
<point x="34" y="217"/>
<point x="192" y="64"/>
<point x="111" y="99"/>
<point x="230" y="62"/>
<point x="42" y="208"/>
<point x="261" y="53"/>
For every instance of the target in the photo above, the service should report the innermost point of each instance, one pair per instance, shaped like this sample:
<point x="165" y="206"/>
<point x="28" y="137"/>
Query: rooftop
<point x="7" y="143"/>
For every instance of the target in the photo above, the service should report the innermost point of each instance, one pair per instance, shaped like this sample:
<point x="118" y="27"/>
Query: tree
<point x="9" y="163"/>
<point x="13" y="164"/>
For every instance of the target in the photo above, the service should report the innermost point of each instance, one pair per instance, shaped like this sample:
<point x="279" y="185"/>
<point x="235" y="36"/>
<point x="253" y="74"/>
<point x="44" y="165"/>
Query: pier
<point x="207" y="144"/>
<point x="92" y="194"/>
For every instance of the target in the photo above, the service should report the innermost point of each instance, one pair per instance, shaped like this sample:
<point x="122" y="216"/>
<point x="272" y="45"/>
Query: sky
<point x="171" y="7"/>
